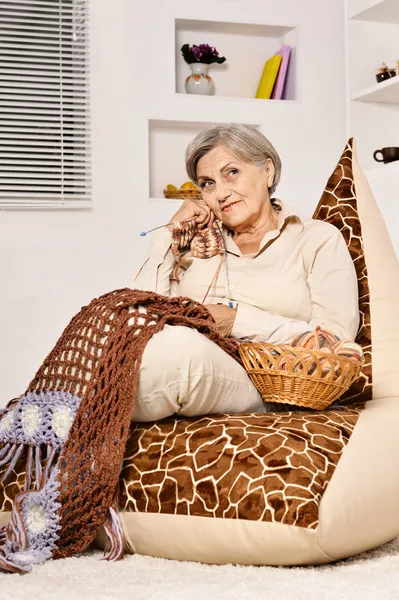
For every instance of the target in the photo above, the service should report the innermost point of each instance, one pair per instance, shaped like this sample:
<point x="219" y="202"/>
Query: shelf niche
<point x="166" y="166"/>
<point x="246" y="47"/>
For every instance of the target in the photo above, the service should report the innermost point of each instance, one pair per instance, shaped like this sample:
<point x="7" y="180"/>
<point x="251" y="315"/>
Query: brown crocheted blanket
<point x="73" y="421"/>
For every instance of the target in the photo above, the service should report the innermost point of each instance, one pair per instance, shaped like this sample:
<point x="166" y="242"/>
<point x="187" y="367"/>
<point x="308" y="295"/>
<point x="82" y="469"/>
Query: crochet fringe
<point x="71" y="426"/>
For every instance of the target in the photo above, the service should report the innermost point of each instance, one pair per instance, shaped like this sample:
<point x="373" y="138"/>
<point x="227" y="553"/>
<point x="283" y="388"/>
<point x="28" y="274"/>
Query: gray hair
<point x="244" y="141"/>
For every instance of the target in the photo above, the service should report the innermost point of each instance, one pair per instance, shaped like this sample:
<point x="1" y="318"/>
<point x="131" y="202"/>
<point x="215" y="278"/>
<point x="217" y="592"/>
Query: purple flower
<point x="203" y="53"/>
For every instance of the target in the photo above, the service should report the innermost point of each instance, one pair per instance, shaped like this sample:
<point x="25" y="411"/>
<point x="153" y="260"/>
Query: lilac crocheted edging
<point x="40" y="418"/>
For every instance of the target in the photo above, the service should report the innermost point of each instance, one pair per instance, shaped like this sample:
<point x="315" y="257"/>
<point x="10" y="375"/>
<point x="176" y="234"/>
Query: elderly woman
<point x="282" y="276"/>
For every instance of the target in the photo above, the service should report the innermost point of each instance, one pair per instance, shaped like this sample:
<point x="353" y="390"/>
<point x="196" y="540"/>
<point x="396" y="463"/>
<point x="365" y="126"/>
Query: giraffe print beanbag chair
<point x="286" y="488"/>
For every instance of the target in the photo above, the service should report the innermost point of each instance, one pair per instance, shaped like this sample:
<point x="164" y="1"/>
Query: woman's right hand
<point x="192" y="209"/>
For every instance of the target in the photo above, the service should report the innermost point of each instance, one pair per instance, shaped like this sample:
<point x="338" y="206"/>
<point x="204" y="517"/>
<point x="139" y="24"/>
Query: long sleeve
<point x="154" y="274"/>
<point x="332" y="281"/>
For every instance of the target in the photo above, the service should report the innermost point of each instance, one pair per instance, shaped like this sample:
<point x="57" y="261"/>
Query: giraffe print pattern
<point x="271" y="467"/>
<point x="266" y="467"/>
<point x="14" y="484"/>
<point x="338" y="206"/>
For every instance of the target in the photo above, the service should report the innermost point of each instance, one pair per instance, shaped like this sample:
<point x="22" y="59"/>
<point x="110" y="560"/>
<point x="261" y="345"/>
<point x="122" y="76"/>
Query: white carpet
<point x="374" y="574"/>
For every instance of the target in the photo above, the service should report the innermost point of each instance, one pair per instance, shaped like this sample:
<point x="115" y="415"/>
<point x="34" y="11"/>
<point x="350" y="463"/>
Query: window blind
<point x="44" y="104"/>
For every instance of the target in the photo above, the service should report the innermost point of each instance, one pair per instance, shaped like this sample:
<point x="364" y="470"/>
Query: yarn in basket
<point x="326" y="341"/>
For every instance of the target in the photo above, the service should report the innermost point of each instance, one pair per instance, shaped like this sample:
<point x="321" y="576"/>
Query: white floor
<point x="373" y="575"/>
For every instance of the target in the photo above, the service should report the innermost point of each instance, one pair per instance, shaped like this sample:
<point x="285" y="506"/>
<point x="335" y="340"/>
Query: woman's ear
<point x="269" y="168"/>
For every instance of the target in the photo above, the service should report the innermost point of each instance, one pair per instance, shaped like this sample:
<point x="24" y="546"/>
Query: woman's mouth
<point x="230" y="206"/>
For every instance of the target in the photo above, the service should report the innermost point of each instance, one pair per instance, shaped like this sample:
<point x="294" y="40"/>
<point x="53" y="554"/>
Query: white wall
<point x="54" y="262"/>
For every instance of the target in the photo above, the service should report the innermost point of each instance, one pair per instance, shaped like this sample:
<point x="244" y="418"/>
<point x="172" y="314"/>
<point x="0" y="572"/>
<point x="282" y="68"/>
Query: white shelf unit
<point x="369" y="45"/>
<point x="380" y="11"/>
<point x="246" y="46"/>
<point x="373" y="108"/>
<point x="164" y="167"/>
<point x="386" y="92"/>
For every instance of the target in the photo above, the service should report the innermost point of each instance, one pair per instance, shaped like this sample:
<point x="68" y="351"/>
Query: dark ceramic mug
<point x="385" y="75"/>
<point x="388" y="154"/>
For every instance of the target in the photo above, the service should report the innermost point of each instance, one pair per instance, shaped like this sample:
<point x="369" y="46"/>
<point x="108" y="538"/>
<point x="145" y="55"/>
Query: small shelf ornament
<point x="384" y="72"/>
<point x="199" y="58"/>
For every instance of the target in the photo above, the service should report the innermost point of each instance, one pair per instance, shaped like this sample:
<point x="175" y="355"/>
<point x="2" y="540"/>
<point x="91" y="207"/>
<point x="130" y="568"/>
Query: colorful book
<point x="278" y="90"/>
<point x="268" y="77"/>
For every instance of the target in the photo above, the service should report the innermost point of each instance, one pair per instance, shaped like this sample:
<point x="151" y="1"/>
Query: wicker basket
<point x="295" y="375"/>
<point x="191" y="193"/>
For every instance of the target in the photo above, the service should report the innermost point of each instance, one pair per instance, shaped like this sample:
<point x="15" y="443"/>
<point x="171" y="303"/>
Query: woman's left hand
<point x="224" y="317"/>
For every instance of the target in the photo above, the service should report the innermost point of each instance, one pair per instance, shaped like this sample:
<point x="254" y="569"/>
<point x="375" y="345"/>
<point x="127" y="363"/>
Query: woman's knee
<point x="167" y="357"/>
<point x="184" y="372"/>
<point x="166" y="370"/>
<point x="176" y="346"/>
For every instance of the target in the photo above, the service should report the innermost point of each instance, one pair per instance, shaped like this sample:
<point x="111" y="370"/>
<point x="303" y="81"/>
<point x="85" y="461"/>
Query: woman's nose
<point x="222" y="192"/>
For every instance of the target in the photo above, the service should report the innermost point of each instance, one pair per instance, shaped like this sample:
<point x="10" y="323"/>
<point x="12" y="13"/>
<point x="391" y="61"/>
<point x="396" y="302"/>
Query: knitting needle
<point x="160" y="226"/>
<point x="143" y="233"/>
<point x="230" y="302"/>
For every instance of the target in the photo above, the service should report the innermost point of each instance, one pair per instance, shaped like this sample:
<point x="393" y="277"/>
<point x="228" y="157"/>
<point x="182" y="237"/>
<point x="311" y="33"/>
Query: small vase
<point x="199" y="82"/>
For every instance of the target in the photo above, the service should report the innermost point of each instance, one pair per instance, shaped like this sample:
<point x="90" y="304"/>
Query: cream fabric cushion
<point x="360" y="507"/>
<point x="383" y="277"/>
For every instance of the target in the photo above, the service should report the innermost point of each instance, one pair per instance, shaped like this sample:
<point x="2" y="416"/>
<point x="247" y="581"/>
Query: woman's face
<point x="235" y="191"/>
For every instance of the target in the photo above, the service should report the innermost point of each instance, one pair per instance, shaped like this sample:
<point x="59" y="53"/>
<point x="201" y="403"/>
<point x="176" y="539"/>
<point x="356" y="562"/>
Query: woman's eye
<point x="208" y="181"/>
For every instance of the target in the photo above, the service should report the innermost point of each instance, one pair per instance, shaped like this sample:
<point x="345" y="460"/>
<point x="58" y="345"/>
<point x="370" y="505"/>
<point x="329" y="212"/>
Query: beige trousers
<point x="185" y="373"/>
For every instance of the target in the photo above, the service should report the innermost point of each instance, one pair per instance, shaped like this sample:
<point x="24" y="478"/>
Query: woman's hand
<point x="224" y="317"/>
<point x="192" y="209"/>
